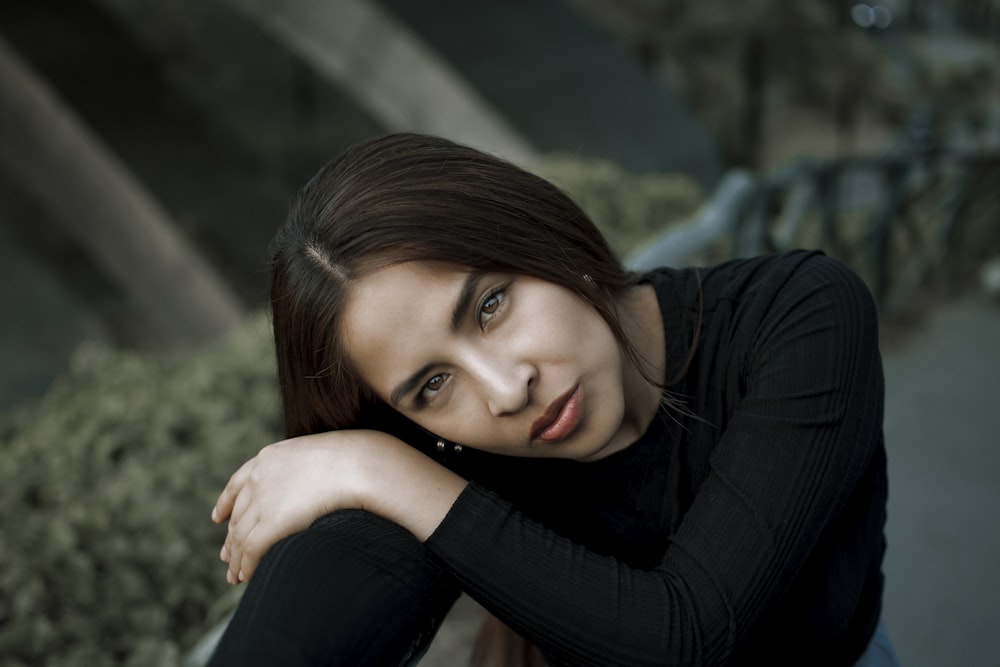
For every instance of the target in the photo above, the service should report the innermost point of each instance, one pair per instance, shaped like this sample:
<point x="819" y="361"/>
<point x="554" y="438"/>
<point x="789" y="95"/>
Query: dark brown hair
<point x="409" y="197"/>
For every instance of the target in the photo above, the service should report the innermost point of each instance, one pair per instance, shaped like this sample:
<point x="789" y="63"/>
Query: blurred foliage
<point x="108" y="554"/>
<point x="734" y="63"/>
<point x="968" y="94"/>
<point x="628" y="209"/>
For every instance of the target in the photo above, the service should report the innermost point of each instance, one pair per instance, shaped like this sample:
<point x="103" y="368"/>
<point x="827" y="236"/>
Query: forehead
<point x="391" y="311"/>
<point x="401" y="290"/>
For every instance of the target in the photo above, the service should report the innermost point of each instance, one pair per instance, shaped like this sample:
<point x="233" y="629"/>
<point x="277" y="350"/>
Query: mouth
<point x="560" y="419"/>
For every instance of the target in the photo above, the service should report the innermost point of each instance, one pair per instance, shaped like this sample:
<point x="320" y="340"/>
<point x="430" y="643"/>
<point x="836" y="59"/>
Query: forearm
<point x="291" y="483"/>
<point x="408" y="488"/>
<point x="579" y="607"/>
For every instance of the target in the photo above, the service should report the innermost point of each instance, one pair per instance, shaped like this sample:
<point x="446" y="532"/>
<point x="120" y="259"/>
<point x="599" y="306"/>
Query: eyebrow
<point x="408" y="385"/>
<point x="462" y="304"/>
<point x="465" y="297"/>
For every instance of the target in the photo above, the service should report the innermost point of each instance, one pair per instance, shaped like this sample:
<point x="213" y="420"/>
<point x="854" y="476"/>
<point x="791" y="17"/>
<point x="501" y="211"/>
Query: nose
<point x="506" y="383"/>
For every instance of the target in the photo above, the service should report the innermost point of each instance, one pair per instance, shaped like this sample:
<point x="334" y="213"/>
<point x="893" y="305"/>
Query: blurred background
<point x="148" y="151"/>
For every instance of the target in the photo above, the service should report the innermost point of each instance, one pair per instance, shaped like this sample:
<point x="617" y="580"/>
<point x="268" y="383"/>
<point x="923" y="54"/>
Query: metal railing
<point x="900" y="220"/>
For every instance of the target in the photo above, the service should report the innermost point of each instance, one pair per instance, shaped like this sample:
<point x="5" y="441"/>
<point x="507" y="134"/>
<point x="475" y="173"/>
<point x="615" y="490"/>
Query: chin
<point x="589" y="450"/>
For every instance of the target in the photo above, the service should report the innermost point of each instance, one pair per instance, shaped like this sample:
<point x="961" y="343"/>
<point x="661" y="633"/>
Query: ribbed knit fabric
<point x="749" y="535"/>
<point x="353" y="589"/>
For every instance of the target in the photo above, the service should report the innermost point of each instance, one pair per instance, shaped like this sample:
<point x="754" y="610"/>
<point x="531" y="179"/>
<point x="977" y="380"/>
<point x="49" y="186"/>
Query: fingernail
<point x="243" y="577"/>
<point x="224" y="553"/>
<point x="229" y="577"/>
<point x="214" y="512"/>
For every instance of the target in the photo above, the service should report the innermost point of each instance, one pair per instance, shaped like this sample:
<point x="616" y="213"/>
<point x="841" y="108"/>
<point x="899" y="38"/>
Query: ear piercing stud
<point x="457" y="449"/>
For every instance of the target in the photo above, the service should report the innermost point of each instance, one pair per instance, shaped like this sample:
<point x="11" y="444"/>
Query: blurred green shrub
<point x="108" y="555"/>
<point x="629" y="209"/>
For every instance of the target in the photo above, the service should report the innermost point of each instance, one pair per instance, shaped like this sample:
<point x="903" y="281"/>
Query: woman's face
<point x="499" y="362"/>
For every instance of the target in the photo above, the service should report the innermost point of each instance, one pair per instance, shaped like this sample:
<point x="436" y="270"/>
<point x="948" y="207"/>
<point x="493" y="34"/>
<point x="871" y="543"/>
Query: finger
<point x="226" y="553"/>
<point x="237" y="541"/>
<point x="224" y="504"/>
<point x="238" y="508"/>
<point x="240" y="524"/>
<point x="224" y="556"/>
<point x="257" y="543"/>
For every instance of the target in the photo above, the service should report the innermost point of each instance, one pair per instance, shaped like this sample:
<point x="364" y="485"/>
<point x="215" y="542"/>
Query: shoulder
<point x="770" y="277"/>
<point x="735" y="277"/>
<point x="750" y="291"/>
<point x="735" y="316"/>
<point x="805" y="295"/>
<point x="802" y="323"/>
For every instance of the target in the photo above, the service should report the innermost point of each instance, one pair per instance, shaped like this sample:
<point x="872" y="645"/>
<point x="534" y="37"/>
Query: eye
<point x="492" y="305"/>
<point x="431" y="388"/>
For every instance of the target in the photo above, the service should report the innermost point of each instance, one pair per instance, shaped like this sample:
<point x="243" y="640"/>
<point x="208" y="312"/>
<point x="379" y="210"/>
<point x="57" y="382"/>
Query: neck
<point x="643" y="325"/>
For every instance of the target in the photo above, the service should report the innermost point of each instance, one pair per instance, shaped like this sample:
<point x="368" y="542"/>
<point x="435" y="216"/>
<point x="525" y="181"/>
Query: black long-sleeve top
<point x="748" y="532"/>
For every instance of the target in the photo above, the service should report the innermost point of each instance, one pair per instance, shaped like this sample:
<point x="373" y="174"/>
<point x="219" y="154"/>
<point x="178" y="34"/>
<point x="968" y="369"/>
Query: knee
<point x="351" y="583"/>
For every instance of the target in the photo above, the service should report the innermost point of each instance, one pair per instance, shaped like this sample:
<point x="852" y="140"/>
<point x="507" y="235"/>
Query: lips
<point x="559" y="419"/>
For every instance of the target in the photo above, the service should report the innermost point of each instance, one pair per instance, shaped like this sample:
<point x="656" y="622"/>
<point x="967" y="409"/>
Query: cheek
<point x="564" y="322"/>
<point x="588" y="331"/>
<point x="464" y="414"/>
<point x="472" y="431"/>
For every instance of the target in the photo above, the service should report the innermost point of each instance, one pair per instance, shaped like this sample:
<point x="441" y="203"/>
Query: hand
<point x="291" y="483"/>
<point x="285" y="487"/>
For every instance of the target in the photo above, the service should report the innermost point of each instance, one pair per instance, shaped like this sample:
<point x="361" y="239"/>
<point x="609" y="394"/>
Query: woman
<point x="681" y="467"/>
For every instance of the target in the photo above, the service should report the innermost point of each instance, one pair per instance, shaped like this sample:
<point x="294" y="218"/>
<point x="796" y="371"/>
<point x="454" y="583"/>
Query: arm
<point x="291" y="483"/>
<point x="803" y="429"/>
<point x="795" y="444"/>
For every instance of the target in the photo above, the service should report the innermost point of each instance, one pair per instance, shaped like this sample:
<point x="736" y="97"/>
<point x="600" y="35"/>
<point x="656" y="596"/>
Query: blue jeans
<point x="879" y="652"/>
